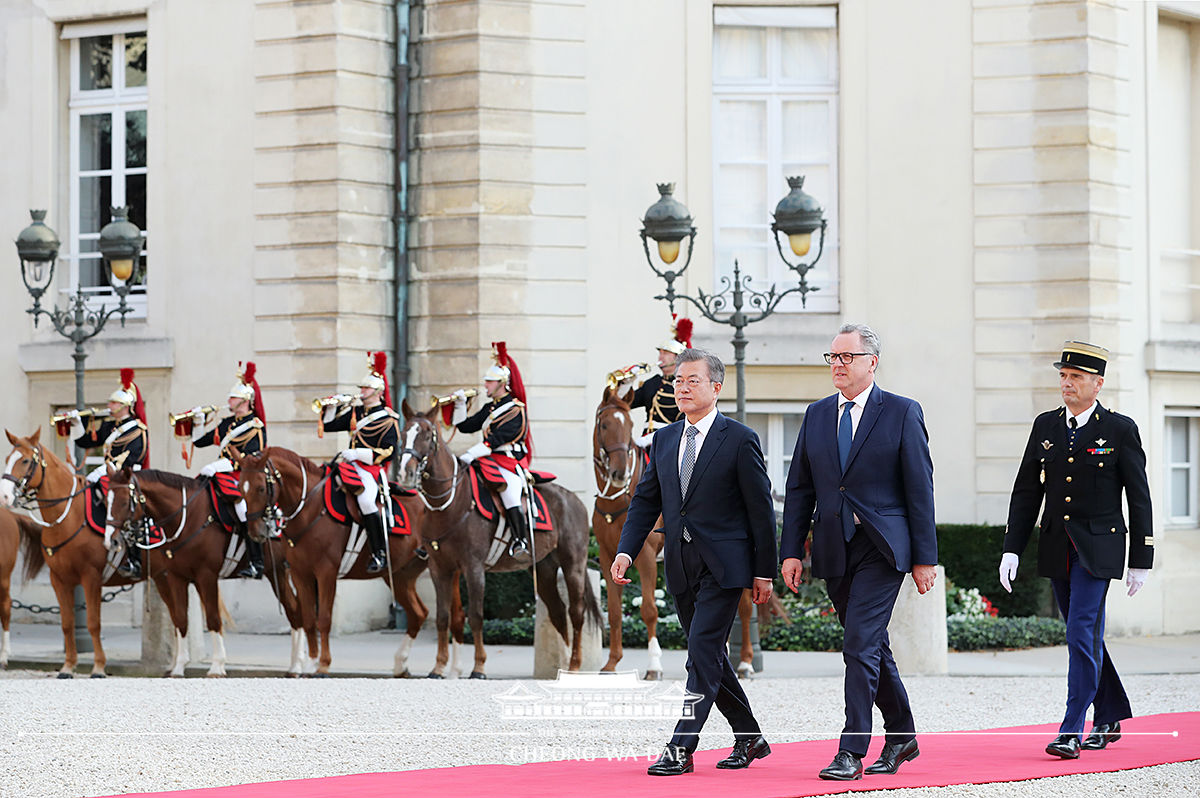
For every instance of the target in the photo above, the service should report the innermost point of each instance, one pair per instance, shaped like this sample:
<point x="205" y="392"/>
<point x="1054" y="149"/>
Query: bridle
<point x="27" y="495"/>
<point x="139" y="524"/>
<point x="272" y="513"/>
<point x="600" y="461"/>
<point x="422" y="462"/>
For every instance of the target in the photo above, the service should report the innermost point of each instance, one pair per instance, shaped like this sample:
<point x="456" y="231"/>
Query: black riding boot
<point x="131" y="566"/>
<point x="373" y="523"/>
<point x="254" y="565"/>
<point x="520" y="531"/>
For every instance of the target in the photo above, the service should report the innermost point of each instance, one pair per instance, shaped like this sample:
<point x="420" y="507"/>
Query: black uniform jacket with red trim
<point x="380" y="433"/>
<point x="1081" y="488"/>
<point x="128" y="448"/>
<point x="251" y="440"/>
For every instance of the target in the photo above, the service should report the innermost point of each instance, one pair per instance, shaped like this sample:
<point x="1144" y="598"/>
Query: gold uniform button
<point x="1066" y="518"/>
<point x="1068" y="499"/>
<point x="1068" y="479"/>
<point x="1101" y="465"/>
<point x="1070" y="459"/>
<point x="1114" y="529"/>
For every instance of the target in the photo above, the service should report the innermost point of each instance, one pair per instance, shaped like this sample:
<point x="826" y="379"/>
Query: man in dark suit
<point x="707" y="479"/>
<point x="862" y="479"/>
<point x="1079" y="459"/>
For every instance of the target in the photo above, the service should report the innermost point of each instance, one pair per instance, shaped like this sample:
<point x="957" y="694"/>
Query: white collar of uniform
<point x="1083" y="417"/>
<point x="704" y="424"/>
<point x="860" y="400"/>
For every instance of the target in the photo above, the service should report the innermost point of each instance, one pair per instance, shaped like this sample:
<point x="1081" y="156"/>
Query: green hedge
<point x="971" y="554"/>
<point x="972" y="634"/>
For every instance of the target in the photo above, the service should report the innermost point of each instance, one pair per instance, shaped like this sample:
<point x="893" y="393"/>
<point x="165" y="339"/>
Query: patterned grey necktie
<point x="689" y="461"/>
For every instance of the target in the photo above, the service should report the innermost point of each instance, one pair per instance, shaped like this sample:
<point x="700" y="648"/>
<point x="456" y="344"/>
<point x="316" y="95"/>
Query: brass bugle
<point x="442" y="401"/>
<point x="207" y="410"/>
<point x="615" y="378"/>
<point x="84" y="415"/>
<point x="319" y="404"/>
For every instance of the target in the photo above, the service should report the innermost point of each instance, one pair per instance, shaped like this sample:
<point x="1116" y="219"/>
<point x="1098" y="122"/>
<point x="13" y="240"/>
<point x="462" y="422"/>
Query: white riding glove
<point x="330" y="414"/>
<point x="624" y="387"/>
<point x="1135" y="578"/>
<point x="76" y="424"/>
<point x="460" y="407"/>
<point x="362" y="455"/>
<point x="644" y="441"/>
<point x="1008" y="570"/>
<point x="475" y="452"/>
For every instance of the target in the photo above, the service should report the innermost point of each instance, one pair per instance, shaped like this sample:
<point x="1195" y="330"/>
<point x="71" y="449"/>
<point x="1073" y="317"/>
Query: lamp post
<point x="668" y="223"/>
<point x="37" y="247"/>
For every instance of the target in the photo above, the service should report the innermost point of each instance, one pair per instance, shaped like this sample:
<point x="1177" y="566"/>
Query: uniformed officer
<point x="126" y="442"/>
<point x="375" y="429"/>
<point x="1078" y="460"/>
<point x="657" y="392"/>
<point x="237" y="435"/>
<point x="506" y="442"/>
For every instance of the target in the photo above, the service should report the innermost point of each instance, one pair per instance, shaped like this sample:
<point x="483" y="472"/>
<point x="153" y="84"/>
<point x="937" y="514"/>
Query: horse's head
<point x="260" y="488"/>
<point x="419" y="442"/>
<point x="613" y="449"/>
<point x="24" y="468"/>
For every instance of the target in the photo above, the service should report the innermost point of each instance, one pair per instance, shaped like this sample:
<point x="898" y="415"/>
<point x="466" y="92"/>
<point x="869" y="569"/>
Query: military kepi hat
<point x="1082" y="356"/>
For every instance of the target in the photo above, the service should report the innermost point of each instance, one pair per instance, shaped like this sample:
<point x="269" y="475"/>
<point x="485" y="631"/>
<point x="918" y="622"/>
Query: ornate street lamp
<point x="797" y="216"/>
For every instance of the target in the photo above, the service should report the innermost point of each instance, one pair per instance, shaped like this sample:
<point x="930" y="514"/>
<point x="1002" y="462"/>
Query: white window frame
<point x="775" y="447"/>
<point x="1191" y="465"/>
<point x="116" y="101"/>
<point x="774" y="91"/>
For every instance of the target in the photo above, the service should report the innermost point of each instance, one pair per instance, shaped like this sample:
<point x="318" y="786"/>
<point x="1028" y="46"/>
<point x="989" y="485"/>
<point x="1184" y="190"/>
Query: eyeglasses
<point x="691" y="382"/>
<point x="845" y="358"/>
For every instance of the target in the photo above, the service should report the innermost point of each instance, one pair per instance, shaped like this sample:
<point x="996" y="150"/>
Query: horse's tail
<point x="31" y="546"/>
<point x="591" y="605"/>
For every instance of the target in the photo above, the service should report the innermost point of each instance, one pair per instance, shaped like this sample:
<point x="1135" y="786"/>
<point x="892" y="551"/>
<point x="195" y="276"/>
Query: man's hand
<point x="762" y="590"/>
<point x="1008" y="570"/>
<point x="792" y="568"/>
<point x="924" y="576"/>
<point x="1135" y="578"/>
<point x="620" y="565"/>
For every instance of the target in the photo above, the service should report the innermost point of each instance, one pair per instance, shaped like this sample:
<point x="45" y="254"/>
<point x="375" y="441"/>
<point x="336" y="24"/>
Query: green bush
<point x="805" y="633"/>
<point x="505" y="595"/>
<point x="971" y="554"/>
<point x="971" y="634"/>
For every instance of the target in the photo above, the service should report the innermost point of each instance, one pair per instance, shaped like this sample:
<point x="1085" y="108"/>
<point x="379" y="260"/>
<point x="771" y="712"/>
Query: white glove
<point x="108" y="536"/>
<point x="644" y="441"/>
<point x="475" y="452"/>
<point x="198" y="414"/>
<point x="359" y="455"/>
<point x="460" y="397"/>
<point x="330" y="414"/>
<point x="76" y="423"/>
<point x="1008" y="570"/>
<point x="1135" y="578"/>
<point x="624" y="387"/>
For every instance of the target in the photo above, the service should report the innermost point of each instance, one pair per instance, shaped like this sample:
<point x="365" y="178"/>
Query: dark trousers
<point x="864" y="598"/>
<point x="1091" y="677"/>
<point x="706" y="611"/>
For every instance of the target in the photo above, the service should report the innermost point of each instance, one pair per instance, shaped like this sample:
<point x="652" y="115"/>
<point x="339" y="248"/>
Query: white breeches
<point x="102" y="469"/>
<point x="370" y="492"/>
<point x="511" y="495"/>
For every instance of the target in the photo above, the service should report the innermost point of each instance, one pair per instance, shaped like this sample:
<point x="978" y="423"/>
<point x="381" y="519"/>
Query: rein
<point x="272" y="510"/>
<point x="27" y="494"/>
<point x="600" y="460"/>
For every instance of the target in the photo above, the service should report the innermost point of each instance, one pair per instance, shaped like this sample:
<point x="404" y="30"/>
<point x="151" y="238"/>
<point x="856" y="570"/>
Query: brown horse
<point x="459" y="540"/>
<point x="11" y="525"/>
<point x="196" y="551"/>
<point x="284" y="491"/>
<point x="36" y="480"/>
<point x="617" y="462"/>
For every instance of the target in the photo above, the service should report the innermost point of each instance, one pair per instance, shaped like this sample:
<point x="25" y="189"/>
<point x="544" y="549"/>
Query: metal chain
<point x="37" y="608"/>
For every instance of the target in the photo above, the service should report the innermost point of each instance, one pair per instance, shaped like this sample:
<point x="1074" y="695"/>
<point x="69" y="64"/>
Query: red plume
<point x="251" y="370"/>
<point x="248" y="378"/>
<point x="515" y="385"/>
<point x="126" y="378"/>
<point x="683" y="332"/>
<point x="139" y="406"/>
<point x="379" y="366"/>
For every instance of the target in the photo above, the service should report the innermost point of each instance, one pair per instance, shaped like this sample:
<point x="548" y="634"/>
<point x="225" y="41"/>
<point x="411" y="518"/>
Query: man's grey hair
<point x="870" y="340"/>
<point x="716" y="369"/>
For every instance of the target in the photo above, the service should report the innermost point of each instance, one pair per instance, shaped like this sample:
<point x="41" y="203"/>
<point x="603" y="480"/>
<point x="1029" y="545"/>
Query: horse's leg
<point x="93" y="600"/>
<point x="445" y="587"/>
<point x="547" y="588"/>
<point x="647" y="567"/>
<point x="404" y="589"/>
<point x="745" y="668"/>
<point x="5" y="614"/>
<point x="66" y="607"/>
<point x="210" y="599"/>
<point x="612" y="590"/>
<point x="174" y="594"/>
<point x="475" y="583"/>
<point x="326" y="590"/>
<point x="306" y="601"/>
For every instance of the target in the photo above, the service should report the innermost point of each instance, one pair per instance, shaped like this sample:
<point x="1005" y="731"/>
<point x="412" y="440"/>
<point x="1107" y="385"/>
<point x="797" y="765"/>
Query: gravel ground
<point x="86" y="738"/>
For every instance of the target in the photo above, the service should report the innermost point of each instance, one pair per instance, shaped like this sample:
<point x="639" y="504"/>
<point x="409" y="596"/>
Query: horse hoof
<point x="292" y="675"/>
<point x="745" y="671"/>
<point x="320" y="675"/>
<point x="653" y="676"/>
<point x="98" y="676"/>
<point x="477" y="675"/>
<point x="405" y="675"/>
<point x="433" y="675"/>
<point x="65" y="675"/>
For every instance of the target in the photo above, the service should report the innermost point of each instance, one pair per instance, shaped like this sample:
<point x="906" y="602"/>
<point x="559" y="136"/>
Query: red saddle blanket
<point x="338" y="509"/>
<point x="95" y="512"/>
<point x="224" y="491"/>
<point x="485" y="502"/>
<point x="486" y="468"/>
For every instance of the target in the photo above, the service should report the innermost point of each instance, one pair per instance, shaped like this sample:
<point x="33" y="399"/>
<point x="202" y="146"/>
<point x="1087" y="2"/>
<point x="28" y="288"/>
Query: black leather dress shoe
<point x="1102" y="734"/>
<point x="745" y="751"/>
<point x="894" y="755"/>
<point x="1065" y="746"/>
<point x="844" y="767"/>
<point x="674" y="761"/>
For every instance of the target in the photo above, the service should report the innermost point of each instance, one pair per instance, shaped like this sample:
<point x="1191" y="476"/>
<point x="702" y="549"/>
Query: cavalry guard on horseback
<point x="125" y="440"/>
<point x="375" y="433"/>
<point x="657" y="392"/>
<point x="504" y="452"/>
<point x="237" y="435"/>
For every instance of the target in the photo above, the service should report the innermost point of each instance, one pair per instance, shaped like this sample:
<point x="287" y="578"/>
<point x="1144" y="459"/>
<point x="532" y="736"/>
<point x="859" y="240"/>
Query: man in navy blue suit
<point x="707" y="479"/>
<point x="862" y="479"/>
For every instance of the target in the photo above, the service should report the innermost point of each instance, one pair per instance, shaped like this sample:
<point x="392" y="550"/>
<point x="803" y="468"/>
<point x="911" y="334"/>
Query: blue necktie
<point x="845" y="438"/>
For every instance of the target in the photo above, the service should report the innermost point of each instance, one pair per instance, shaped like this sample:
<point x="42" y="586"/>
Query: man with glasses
<point x="708" y="480"/>
<point x="862" y="479"/>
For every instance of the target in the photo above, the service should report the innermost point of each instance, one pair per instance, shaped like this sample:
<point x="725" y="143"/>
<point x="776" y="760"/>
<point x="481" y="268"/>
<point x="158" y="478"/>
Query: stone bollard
<point x="918" y="629"/>
<point x="158" y="633"/>
<point x="550" y="654"/>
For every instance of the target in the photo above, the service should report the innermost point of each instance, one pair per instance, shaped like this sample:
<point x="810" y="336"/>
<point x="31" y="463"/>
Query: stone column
<point x="158" y="633"/>
<point x="918" y="629"/>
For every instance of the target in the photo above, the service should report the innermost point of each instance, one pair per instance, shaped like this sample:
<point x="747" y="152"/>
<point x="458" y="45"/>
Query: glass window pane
<point x="92" y="273"/>
<point x="741" y="195"/>
<point x="95" y="203"/>
<point x="1180" y="501"/>
<point x="1177" y="437"/>
<point x="739" y="53"/>
<point x="135" y="139"/>
<point x="758" y="422"/>
<point x="806" y="131"/>
<point x="807" y="55"/>
<point x="749" y="248"/>
<point x="95" y="63"/>
<point x="791" y="429"/>
<point x="742" y="130"/>
<point x="135" y="59"/>
<point x="135" y="198"/>
<point x="95" y="142"/>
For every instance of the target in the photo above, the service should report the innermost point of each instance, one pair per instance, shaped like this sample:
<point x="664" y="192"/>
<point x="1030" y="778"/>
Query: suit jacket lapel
<point x="870" y="415"/>
<point x="712" y="442"/>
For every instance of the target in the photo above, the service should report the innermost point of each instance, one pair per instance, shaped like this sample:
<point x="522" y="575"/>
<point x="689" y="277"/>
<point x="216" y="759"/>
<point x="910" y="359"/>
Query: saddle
<point x="486" y="494"/>
<point x="338" y="506"/>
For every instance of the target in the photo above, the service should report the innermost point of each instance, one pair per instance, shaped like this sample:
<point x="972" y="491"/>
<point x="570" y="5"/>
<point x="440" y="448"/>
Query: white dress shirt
<point x="1080" y="419"/>
<point x="857" y="405"/>
<point x="702" y="427"/>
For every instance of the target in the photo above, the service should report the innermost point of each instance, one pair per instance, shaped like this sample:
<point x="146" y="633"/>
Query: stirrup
<point x="517" y="547"/>
<point x="251" y="571"/>
<point x="376" y="564"/>
<point x="129" y="568"/>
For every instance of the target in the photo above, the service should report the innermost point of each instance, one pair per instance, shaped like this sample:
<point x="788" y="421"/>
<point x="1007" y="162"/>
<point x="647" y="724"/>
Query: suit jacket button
<point x="843" y="488"/>
<point x="1066" y="518"/>
<point x="683" y="512"/>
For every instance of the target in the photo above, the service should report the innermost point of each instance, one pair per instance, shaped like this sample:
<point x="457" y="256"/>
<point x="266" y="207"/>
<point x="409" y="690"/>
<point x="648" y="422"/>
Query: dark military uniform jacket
<point x="124" y="442"/>
<point x="504" y="423"/>
<point x="1082" y="491"/>
<point x="377" y="429"/>
<point x="657" y="395"/>
<point x="237" y="435"/>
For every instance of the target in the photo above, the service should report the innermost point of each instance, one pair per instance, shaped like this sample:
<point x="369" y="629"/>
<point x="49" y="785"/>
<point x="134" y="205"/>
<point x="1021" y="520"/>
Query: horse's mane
<point x="295" y="458"/>
<point x="168" y="478"/>
<point x="617" y="401"/>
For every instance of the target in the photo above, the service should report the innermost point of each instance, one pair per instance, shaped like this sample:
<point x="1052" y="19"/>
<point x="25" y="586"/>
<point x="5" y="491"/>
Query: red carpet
<point x="980" y="757"/>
